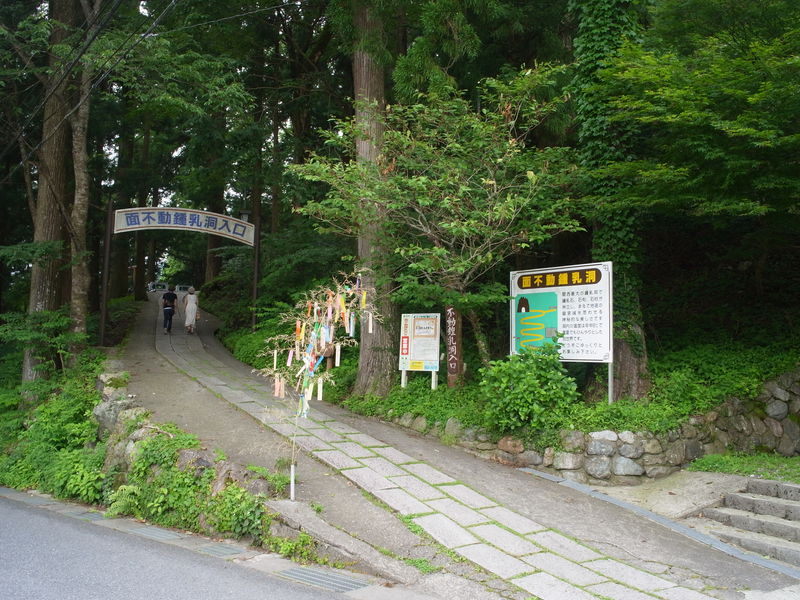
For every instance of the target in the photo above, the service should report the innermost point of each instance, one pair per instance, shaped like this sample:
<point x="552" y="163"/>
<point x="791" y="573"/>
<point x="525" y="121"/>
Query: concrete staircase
<point x="764" y="519"/>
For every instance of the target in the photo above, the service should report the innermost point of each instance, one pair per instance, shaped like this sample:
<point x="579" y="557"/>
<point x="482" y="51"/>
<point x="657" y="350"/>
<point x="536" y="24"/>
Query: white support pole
<point x="610" y="383"/>
<point x="403" y="378"/>
<point x="434" y="379"/>
<point x="291" y="482"/>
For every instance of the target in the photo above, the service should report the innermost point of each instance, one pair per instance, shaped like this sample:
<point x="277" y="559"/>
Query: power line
<point x="119" y="51"/>
<point x="67" y="70"/>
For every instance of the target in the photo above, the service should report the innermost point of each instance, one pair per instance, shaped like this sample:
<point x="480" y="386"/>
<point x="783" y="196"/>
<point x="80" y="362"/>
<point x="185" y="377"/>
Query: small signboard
<point x="419" y="342"/>
<point x="575" y="301"/>
<point x="187" y="219"/>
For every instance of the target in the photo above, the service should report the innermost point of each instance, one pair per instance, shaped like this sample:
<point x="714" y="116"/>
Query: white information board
<point x="575" y="301"/>
<point x="419" y="342"/>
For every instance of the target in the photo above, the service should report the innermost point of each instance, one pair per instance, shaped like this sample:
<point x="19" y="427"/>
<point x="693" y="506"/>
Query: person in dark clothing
<point x="169" y="301"/>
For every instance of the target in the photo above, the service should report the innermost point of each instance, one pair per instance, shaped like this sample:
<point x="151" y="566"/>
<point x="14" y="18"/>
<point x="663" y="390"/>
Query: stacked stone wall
<point x="769" y="422"/>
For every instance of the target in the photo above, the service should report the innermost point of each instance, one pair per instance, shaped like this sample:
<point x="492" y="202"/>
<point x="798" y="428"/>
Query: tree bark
<point x="79" y="297"/>
<point x="376" y="364"/>
<point x="142" y="237"/>
<point x="49" y="222"/>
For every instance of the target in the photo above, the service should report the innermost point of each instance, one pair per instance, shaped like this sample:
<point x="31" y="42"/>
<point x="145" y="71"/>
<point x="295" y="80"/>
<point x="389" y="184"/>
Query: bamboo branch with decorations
<point x="324" y="320"/>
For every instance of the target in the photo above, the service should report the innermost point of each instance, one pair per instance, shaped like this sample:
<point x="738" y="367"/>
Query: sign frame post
<point x="419" y="345"/>
<point x="573" y="301"/>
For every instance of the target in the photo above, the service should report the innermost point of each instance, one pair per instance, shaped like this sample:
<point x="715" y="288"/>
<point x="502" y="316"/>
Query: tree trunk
<point x="142" y="237"/>
<point x="79" y="297"/>
<point x="480" y="338"/>
<point x="377" y="360"/>
<point x="49" y="221"/>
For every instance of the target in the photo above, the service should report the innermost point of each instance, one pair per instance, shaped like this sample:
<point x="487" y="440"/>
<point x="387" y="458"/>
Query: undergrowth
<point x="763" y="466"/>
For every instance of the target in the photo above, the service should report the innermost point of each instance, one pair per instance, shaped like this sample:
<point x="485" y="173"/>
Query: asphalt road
<point x="48" y="556"/>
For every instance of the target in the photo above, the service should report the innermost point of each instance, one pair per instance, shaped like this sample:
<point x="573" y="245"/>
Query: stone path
<point x="539" y="560"/>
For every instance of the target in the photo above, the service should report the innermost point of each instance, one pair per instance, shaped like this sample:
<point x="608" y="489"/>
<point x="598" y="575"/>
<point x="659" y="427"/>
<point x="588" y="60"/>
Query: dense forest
<point x="433" y="146"/>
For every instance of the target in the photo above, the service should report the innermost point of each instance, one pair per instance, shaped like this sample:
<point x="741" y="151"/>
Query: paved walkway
<point x="488" y="528"/>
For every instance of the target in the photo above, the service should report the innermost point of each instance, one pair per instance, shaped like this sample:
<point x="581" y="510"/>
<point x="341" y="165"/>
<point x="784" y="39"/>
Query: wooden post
<point x="455" y="360"/>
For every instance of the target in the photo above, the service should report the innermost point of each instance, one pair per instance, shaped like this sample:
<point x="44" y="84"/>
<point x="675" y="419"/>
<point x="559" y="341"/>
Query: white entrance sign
<point x="575" y="301"/>
<point x="187" y="219"/>
<point x="419" y="342"/>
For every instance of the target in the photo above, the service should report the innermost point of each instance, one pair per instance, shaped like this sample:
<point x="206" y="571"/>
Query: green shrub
<point x="464" y="402"/>
<point x="50" y="448"/>
<point x="527" y="389"/>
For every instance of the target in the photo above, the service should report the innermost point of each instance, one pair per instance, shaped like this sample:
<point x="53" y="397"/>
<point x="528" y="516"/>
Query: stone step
<point x="778" y="489"/>
<point x="764" y="505"/>
<point x="766" y="524"/>
<point x="759" y="543"/>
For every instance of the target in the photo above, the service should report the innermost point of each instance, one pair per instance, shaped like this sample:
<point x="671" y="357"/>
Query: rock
<point x="573" y="441"/>
<point x="548" y="457"/>
<point x="653" y="459"/>
<point x="653" y="446"/>
<point x="530" y="458"/>
<point x="598" y="467"/>
<point x="722" y="438"/>
<point x="676" y="453"/>
<point x="576" y="476"/>
<point x="688" y="431"/>
<point x="482" y="436"/>
<point x="757" y="425"/>
<point x="776" y="391"/>
<point x="453" y="428"/>
<point x="504" y="458"/>
<point x="742" y="424"/>
<point x="786" y="447"/>
<point x="108" y="411"/>
<point x="567" y="460"/>
<point x="658" y="471"/>
<point x="485" y="446"/>
<point x="774" y="427"/>
<point x="791" y="428"/>
<point x="470" y="434"/>
<point x="420" y="424"/>
<point x="625" y="466"/>
<point x="634" y="450"/>
<point x="190" y="459"/>
<point x="693" y="450"/>
<point x="406" y="420"/>
<point x="601" y="448"/>
<point x="627" y="437"/>
<point x="777" y="409"/>
<point x="714" y="447"/>
<point x="511" y="445"/>
<point x="608" y="436"/>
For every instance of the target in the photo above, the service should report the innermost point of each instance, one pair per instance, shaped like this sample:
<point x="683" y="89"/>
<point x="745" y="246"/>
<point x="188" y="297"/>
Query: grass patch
<point x="762" y="466"/>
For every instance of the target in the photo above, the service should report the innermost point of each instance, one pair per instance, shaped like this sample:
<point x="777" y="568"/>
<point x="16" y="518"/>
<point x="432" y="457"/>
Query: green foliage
<point x="51" y="447"/>
<point x="236" y="511"/>
<point x="423" y="565"/>
<point x="530" y="389"/>
<point x="161" y="450"/>
<point x="764" y="466"/>
<point x="279" y="481"/>
<point x="302" y="548"/>
<point x="456" y="191"/>
<point x="465" y="402"/>
<point x="46" y="333"/>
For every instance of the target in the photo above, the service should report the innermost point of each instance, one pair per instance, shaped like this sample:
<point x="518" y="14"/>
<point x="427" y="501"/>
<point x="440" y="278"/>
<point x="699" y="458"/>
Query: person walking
<point x="190" y="310"/>
<point x="168" y="301"/>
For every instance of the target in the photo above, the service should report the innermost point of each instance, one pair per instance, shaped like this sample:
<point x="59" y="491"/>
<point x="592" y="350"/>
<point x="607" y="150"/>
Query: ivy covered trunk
<point x="376" y="358"/>
<point x="603" y="25"/>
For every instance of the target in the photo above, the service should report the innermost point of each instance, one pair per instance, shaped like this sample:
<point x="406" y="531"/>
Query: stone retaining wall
<point x="770" y="422"/>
